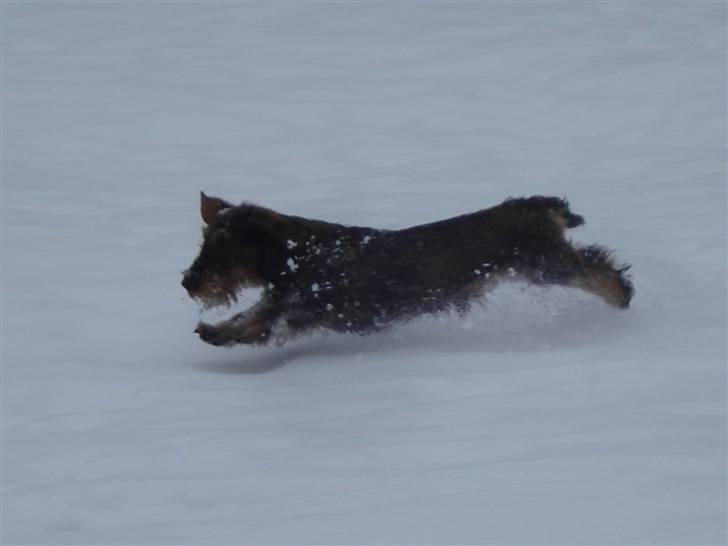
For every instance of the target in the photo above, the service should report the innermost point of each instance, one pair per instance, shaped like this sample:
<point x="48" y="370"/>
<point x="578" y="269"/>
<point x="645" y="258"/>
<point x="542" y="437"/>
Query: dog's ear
<point x="210" y="206"/>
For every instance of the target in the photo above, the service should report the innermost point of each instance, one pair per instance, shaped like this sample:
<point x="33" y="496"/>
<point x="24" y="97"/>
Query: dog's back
<point x="376" y="277"/>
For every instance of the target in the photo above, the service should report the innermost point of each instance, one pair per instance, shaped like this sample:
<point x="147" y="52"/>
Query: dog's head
<point x="236" y="252"/>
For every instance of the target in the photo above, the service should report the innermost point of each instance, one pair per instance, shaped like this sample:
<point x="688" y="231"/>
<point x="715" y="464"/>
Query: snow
<point x="542" y="417"/>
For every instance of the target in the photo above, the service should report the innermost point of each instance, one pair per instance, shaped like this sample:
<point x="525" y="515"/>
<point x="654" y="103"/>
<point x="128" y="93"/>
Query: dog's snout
<point x="190" y="280"/>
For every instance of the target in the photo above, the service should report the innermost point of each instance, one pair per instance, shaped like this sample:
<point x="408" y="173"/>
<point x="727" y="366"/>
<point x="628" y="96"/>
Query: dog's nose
<point x="190" y="280"/>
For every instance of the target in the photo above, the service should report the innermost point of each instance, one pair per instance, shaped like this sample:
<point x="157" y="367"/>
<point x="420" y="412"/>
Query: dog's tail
<point x="556" y="207"/>
<point x="562" y="215"/>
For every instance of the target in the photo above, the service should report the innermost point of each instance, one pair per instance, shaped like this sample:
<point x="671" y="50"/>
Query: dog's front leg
<point x="253" y="327"/>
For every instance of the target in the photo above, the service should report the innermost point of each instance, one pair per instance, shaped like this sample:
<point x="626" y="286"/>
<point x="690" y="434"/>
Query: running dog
<point x="316" y="274"/>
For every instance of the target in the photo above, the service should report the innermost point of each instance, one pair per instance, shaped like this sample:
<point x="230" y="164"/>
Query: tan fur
<point x="209" y="207"/>
<point x="558" y="219"/>
<point x="603" y="285"/>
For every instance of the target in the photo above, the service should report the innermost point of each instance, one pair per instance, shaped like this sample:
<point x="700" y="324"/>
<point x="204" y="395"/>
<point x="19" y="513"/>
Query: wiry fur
<point x="317" y="274"/>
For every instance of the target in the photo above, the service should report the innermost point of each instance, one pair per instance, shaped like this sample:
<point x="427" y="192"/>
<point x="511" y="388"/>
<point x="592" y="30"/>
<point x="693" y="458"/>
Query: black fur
<point x="360" y="279"/>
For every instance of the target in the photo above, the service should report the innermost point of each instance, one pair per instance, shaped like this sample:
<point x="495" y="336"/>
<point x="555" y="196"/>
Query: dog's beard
<point x="217" y="296"/>
<point x="219" y="291"/>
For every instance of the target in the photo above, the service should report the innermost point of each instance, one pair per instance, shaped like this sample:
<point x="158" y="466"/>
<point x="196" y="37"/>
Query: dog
<point x="315" y="274"/>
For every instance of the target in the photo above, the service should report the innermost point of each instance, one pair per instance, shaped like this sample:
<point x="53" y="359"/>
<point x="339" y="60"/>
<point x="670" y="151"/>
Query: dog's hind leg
<point x="590" y="268"/>
<point x="599" y="275"/>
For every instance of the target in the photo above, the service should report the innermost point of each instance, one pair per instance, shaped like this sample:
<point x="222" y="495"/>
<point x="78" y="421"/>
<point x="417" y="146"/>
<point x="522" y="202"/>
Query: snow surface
<point x="544" y="417"/>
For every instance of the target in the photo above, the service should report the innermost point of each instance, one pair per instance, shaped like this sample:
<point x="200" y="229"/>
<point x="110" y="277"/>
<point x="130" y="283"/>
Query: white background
<point x="545" y="417"/>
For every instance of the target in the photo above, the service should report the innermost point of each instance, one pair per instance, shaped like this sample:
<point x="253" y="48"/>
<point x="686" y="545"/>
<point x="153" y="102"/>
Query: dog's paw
<point x="213" y="335"/>
<point x="626" y="290"/>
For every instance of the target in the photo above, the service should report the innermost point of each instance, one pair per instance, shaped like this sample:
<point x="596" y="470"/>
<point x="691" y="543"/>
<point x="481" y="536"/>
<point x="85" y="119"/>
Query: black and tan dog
<point x="316" y="274"/>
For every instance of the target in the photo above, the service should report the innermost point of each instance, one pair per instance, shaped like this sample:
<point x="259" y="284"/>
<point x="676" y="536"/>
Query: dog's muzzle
<point x="190" y="281"/>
